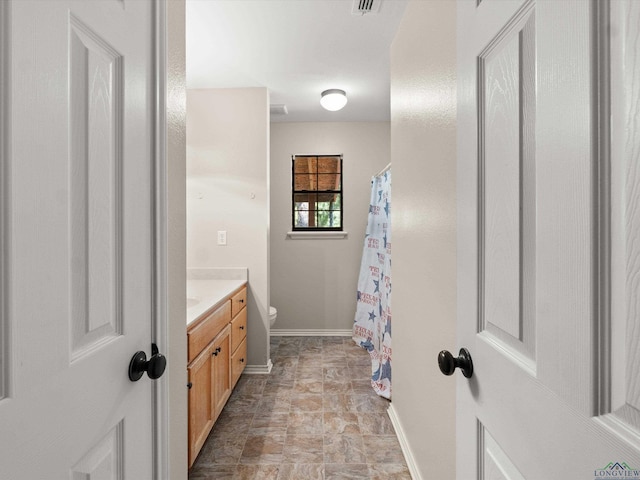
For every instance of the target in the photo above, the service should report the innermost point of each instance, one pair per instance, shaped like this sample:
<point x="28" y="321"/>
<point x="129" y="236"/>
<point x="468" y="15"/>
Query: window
<point x="317" y="192"/>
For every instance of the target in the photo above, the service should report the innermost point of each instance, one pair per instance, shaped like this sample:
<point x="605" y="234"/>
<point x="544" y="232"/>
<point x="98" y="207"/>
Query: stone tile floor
<point x="314" y="417"/>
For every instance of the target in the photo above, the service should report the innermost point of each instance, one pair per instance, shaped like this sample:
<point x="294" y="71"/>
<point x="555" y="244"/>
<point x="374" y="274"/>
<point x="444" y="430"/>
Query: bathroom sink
<point x="192" y="302"/>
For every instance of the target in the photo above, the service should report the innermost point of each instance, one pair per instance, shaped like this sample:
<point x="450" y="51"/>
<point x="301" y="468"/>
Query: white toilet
<point x="273" y="313"/>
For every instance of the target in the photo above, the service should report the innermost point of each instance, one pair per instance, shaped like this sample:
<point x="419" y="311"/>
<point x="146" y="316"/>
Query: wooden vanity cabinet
<point x="217" y="355"/>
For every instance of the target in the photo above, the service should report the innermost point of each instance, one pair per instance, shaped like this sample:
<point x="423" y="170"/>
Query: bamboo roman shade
<point x="317" y="174"/>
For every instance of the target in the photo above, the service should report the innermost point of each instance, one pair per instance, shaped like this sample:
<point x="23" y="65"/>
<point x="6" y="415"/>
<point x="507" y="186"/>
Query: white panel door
<point x="77" y="164"/>
<point x="548" y="225"/>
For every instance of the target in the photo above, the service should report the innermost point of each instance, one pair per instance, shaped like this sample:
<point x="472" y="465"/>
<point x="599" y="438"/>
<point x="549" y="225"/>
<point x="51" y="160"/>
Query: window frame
<point x="295" y="192"/>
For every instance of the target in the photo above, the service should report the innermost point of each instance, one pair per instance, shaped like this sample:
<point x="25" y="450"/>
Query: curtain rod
<point x="383" y="170"/>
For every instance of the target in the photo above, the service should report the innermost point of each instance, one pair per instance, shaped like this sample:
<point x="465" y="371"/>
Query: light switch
<point x="222" y="237"/>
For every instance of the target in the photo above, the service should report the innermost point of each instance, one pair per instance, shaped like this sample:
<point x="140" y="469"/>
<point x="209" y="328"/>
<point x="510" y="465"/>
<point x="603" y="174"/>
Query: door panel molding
<point x="566" y="228"/>
<point x="632" y="159"/>
<point x="623" y="352"/>
<point x="506" y="190"/>
<point x="493" y="462"/>
<point x="160" y="289"/>
<point x="95" y="210"/>
<point x="5" y="135"/>
<point x="105" y="459"/>
<point x="602" y="208"/>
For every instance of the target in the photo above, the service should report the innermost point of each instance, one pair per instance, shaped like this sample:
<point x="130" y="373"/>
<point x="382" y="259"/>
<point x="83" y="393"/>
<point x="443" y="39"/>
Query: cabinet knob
<point x="241" y="327"/>
<point x="242" y="360"/>
<point x="241" y="300"/>
<point x="189" y="385"/>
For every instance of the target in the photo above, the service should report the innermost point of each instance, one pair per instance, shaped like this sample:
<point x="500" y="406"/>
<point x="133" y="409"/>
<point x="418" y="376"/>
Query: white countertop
<point x="206" y="287"/>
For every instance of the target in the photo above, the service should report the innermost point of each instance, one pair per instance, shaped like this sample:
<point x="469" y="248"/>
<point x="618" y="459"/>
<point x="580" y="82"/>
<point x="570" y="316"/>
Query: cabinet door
<point x="201" y="401"/>
<point x="221" y="371"/>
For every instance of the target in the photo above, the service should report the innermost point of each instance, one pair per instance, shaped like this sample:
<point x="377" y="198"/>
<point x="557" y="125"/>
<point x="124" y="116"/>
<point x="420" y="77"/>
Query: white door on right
<point x="549" y="239"/>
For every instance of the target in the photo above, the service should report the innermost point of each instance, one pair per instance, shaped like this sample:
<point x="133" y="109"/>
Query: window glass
<point x="317" y="192"/>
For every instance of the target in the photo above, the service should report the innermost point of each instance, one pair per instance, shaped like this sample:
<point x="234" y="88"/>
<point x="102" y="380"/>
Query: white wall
<point x="227" y="175"/>
<point x="423" y="151"/>
<point x="314" y="282"/>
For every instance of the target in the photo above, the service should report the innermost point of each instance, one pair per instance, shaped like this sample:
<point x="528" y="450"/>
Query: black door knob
<point x="154" y="367"/>
<point x="448" y="363"/>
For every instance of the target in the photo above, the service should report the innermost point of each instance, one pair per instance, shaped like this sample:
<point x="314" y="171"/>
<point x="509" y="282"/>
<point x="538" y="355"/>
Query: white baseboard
<point x="404" y="444"/>
<point x="259" y="369"/>
<point x="300" y="332"/>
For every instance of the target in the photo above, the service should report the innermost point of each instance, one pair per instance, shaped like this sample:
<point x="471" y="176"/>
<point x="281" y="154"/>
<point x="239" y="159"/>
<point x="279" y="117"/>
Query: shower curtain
<point x="372" y="324"/>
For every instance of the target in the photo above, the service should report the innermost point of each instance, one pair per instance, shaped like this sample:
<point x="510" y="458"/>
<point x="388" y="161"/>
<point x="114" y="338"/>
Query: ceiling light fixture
<point x="333" y="99"/>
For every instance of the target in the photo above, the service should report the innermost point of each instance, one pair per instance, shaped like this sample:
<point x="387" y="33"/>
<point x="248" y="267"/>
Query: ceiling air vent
<point x="363" y="7"/>
<point x="278" y="109"/>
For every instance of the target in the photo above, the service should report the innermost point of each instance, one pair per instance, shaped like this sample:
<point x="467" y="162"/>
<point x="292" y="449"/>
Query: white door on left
<point x="77" y="168"/>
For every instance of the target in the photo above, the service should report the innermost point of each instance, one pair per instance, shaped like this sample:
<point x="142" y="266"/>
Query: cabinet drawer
<point x="199" y="336"/>
<point x="238" y="329"/>
<point x="238" y="301"/>
<point x="238" y="362"/>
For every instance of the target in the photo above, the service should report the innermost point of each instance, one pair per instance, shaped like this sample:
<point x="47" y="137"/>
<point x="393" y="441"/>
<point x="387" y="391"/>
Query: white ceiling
<point x="296" y="49"/>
